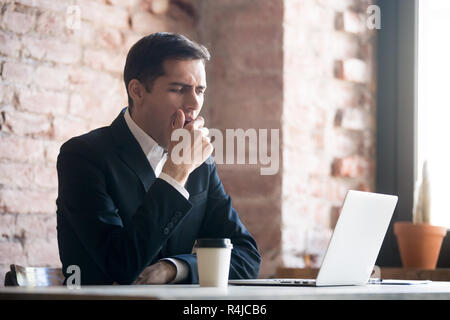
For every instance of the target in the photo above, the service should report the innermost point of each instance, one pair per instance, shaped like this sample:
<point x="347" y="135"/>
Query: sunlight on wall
<point x="433" y="107"/>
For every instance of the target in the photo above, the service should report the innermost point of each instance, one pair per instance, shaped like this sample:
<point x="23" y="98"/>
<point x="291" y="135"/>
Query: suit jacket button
<point x="166" y="231"/>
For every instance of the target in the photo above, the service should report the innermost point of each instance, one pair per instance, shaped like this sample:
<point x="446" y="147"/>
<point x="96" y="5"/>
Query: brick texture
<point x="328" y="116"/>
<point x="245" y="90"/>
<point x="304" y="67"/>
<point x="58" y="80"/>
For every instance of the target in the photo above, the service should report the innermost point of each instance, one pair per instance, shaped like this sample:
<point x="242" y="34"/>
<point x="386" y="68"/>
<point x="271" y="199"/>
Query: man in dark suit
<point x="127" y="212"/>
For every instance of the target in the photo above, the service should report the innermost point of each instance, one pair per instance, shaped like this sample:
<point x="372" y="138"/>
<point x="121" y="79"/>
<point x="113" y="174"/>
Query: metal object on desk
<point x="20" y="276"/>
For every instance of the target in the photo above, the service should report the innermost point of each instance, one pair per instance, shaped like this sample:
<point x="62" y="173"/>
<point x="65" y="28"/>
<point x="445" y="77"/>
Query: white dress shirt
<point x="157" y="157"/>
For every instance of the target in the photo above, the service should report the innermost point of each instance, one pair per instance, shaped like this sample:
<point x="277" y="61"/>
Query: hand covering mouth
<point x="187" y="121"/>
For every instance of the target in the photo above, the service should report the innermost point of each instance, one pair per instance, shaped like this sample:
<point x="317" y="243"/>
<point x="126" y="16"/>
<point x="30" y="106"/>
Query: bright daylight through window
<point x="434" y="104"/>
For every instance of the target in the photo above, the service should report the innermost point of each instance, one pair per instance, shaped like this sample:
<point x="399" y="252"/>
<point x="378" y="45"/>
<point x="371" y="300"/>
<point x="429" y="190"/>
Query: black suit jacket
<point x="114" y="218"/>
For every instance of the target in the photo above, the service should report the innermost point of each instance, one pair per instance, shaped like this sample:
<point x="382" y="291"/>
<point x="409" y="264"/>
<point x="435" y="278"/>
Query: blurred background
<point x="329" y="74"/>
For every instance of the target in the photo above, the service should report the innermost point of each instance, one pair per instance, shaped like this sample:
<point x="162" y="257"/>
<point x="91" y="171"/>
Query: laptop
<point x="354" y="245"/>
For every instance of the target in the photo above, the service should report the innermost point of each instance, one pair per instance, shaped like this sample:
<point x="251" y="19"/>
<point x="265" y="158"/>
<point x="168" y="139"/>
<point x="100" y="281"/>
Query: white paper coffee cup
<point x="213" y="260"/>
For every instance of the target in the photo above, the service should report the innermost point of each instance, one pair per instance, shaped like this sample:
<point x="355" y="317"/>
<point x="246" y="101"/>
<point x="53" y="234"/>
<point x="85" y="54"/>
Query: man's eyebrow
<point x="182" y="84"/>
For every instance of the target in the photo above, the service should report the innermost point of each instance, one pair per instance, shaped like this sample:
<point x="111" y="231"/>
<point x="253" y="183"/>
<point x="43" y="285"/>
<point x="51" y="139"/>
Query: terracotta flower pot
<point x="419" y="244"/>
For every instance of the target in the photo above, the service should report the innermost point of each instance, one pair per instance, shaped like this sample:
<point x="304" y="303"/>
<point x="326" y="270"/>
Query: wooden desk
<point x="433" y="290"/>
<point x="386" y="273"/>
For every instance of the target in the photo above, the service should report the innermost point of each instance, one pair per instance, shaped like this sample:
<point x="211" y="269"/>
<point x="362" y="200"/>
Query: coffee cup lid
<point x="214" y="243"/>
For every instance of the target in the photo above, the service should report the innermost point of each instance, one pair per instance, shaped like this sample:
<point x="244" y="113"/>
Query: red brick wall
<point x="328" y="119"/>
<point x="301" y="66"/>
<point x="245" y="90"/>
<point x="306" y="68"/>
<point x="58" y="81"/>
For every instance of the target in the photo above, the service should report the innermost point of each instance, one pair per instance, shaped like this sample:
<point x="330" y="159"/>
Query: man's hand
<point x="199" y="145"/>
<point x="161" y="272"/>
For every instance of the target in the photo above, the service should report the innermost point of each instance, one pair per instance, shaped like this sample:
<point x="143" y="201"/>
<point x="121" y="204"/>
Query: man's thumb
<point x="179" y="120"/>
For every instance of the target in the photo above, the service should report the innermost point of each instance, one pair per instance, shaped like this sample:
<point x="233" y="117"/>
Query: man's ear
<point x="136" y="91"/>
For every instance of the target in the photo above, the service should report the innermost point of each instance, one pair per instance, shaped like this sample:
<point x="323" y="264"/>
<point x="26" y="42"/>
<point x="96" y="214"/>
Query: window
<point x="433" y="118"/>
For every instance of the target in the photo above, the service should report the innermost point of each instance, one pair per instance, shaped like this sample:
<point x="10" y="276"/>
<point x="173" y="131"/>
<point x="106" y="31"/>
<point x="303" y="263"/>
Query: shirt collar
<point x="148" y="145"/>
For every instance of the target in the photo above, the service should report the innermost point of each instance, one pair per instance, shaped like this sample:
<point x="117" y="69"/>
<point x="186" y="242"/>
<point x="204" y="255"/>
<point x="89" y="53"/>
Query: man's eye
<point x="176" y="90"/>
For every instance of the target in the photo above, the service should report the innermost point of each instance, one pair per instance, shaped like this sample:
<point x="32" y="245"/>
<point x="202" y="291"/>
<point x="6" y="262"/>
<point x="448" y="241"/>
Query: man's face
<point x="181" y="87"/>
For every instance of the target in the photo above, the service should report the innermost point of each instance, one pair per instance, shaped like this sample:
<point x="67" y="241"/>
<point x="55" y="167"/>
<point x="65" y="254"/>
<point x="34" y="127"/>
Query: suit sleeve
<point x="120" y="250"/>
<point x="222" y="221"/>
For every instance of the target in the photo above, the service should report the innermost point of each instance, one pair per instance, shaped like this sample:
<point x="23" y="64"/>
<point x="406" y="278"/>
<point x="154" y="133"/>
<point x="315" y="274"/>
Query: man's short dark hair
<point x="146" y="57"/>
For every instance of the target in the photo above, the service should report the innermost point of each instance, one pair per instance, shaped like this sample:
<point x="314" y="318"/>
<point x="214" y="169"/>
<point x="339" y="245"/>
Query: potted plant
<point x="420" y="242"/>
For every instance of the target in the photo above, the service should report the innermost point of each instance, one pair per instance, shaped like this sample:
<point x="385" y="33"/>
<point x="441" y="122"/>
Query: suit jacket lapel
<point x="131" y="152"/>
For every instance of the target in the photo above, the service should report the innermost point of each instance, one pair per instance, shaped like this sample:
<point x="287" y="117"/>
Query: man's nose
<point x="192" y="101"/>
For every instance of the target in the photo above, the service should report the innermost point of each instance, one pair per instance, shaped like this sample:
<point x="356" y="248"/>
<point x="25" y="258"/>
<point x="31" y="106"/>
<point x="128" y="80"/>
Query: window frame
<point x="397" y="108"/>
